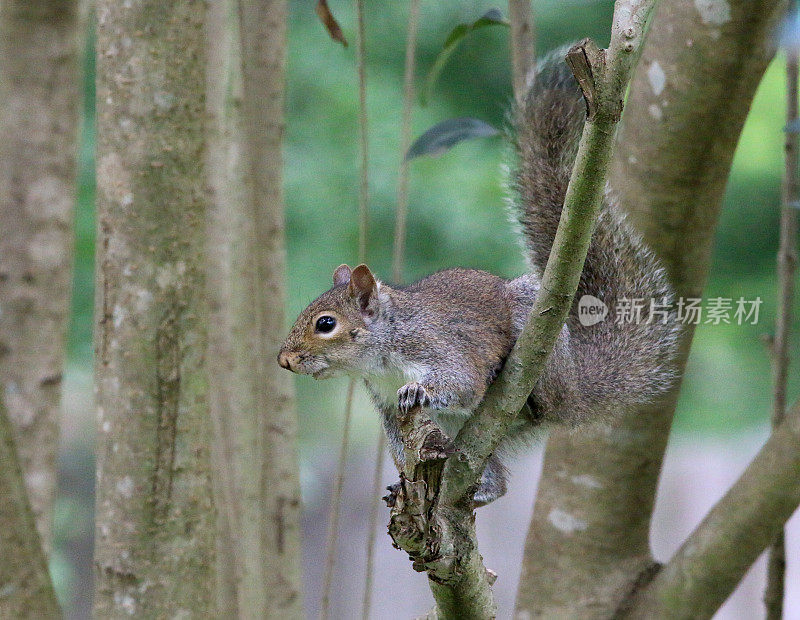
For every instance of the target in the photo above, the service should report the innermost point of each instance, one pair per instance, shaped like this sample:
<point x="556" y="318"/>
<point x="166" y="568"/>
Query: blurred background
<point x="456" y="217"/>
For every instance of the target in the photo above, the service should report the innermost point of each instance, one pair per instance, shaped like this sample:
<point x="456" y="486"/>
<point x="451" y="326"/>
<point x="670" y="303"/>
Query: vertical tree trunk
<point x="589" y="537"/>
<point x="252" y="401"/>
<point x="25" y="587"/>
<point x="263" y="32"/>
<point x="155" y="525"/>
<point x="39" y="97"/>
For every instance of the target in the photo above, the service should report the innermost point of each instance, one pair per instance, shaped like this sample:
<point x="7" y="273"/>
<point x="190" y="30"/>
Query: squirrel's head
<point x="333" y="335"/>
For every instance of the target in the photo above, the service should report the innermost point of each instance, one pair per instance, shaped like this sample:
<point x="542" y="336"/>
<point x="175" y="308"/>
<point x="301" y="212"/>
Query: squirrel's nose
<point x="283" y="360"/>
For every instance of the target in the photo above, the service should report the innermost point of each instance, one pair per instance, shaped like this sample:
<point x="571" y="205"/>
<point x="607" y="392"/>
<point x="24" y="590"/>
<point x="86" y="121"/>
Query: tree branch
<point x="687" y="104"/>
<point x="25" y="587"/>
<point x="433" y="516"/>
<point x="709" y="564"/>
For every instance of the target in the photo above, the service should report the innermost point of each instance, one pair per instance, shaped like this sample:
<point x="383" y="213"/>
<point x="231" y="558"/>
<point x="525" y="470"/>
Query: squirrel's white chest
<point x="384" y="387"/>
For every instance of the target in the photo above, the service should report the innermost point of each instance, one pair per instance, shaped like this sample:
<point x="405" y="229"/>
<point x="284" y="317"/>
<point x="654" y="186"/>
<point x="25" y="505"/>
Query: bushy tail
<point x="623" y="359"/>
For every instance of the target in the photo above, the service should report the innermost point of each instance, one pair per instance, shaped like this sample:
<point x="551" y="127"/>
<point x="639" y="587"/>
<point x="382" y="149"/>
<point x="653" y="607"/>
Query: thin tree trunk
<point x="252" y="400"/>
<point x="363" y="231"/>
<point x="523" y="47"/>
<point x="787" y="265"/>
<point x="687" y="104"/>
<point x="39" y="99"/>
<point x="155" y="521"/>
<point x="25" y="587"/>
<point x="263" y="32"/>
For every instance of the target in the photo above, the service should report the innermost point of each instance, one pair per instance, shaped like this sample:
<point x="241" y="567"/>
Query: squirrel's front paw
<point x="394" y="491"/>
<point x="411" y="395"/>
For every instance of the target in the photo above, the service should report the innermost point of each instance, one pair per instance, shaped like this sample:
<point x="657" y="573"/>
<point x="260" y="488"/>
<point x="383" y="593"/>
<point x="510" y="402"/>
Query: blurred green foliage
<point x="457" y="213"/>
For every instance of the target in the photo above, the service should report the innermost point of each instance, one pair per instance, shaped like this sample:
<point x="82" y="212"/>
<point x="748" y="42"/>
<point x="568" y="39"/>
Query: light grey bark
<point x="432" y="519"/>
<point x="252" y="400"/>
<point x="263" y="31"/>
<point x="686" y="107"/>
<point x="26" y="590"/>
<point x="155" y="518"/>
<point x="39" y="100"/>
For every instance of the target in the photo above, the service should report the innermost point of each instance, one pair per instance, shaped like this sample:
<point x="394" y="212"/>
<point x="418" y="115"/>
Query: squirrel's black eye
<point x="325" y="324"/>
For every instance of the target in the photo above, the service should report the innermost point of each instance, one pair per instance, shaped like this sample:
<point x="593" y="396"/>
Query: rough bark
<point x="787" y="265"/>
<point x="687" y="104"/>
<point x="25" y="587"/>
<point x="155" y="525"/>
<point x="252" y="401"/>
<point x="712" y="560"/>
<point x="39" y="100"/>
<point x="433" y="519"/>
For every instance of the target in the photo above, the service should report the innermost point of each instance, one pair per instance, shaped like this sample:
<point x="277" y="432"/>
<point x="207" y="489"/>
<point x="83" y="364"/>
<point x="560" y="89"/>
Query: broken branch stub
<point x="582" y="59"/>
<point x="426" y="448"/>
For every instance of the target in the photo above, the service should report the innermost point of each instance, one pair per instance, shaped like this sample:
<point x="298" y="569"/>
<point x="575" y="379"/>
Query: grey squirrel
<point x="440" y="341"/>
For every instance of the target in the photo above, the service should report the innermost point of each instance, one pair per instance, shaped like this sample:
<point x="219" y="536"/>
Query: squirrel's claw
<point x="411" y="395"/>
<point x="391" y="497"/>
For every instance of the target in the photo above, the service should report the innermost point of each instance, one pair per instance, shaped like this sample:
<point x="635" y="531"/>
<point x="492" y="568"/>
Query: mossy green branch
<point x="608" y="73"/>
<point x="447" y="547"/>
<point x="669" y="174"/>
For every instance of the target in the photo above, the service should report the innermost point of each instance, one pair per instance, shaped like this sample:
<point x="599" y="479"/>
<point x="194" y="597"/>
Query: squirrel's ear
<point x="341" y="275"/>
<point x="363" y="286"/>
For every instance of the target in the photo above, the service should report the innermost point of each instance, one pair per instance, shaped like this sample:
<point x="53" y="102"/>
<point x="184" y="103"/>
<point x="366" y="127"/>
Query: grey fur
<point x="440" y="342"/>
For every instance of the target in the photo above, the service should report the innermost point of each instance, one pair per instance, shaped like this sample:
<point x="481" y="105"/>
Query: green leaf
<point x="330" y="23"/>
<point x="445" y="135"/>
<point x="493" y="17"/>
